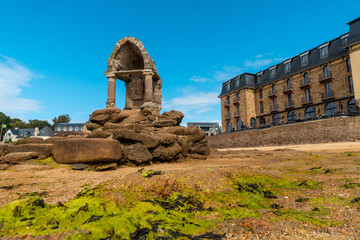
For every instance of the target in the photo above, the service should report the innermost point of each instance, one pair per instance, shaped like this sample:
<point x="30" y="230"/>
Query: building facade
<point x="318" y="83"/>
<point x="69" y="127"/>
<point x="12" y="135"/>
<point x="211" y="128"/>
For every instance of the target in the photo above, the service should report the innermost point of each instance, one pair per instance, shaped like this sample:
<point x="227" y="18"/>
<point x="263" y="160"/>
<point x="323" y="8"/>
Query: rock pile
<point x="145" y="136"/>
<point x="114" y="136"/>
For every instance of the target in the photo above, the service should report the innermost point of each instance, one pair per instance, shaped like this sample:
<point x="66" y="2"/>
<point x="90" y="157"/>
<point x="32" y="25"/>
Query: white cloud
<point x="13" y="77"/>
<point x="225" y="74"/>
<point x="261" y="62"/>
<point x="194" y="103"/>
<point x="199" y="79"/>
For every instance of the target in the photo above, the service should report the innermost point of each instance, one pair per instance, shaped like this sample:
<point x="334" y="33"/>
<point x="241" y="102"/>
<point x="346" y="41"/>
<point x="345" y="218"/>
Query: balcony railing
<point x="236" y="100"/>
<point x="227" y="116"/>
<point x="306" y="101"/>
<point x="287" y="90"/>
<point x="226" y="104"/>
<point x="327" y="95"/>
<point x="304" y="84"/>
<point x="323" y="78"/>
<point x="274" y="108"/>
<point x="289" y="104"/>
<point x="272" y="94"/>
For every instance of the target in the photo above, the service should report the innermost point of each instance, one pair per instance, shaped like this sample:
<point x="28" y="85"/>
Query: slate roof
<point x="336" y="49"/>
<point x="21" y="133"/>
<point x="46" y="131"/>
<point x="28" y="132"/>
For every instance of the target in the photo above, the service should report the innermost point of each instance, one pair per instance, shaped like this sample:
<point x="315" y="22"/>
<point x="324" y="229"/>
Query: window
<point x="262" y="122"/>
<point x="272" y="72"/>
<point x="228" y="99"/>
<point x="228" y="127"/>
<point x="307" y="95"/>
<point x="273" y="87"/>
<point x="239" y="124"/>
<point x="328" y="91"/>
<point x="288" y="83"/>
<point x="64" y="128"/>
<point x="259" y="77"/>
<point x="324" y="50"/>
<point x="76" y="129"/>
<point x="290" y="100"/>
<point x="228" y="112"/>
<point x="59" y="129"/>
<point x="348" y="65"/>
<point x="330" y="109"/>
<point x="237" y="82"/>
<point x="237" y="96"/>
<point x="227" y="86"/>
<point x="70" y="128"/>
<point x="287" y="66"/>
<point x="344" y="39"/>
<point x="252" y="123"/>
<point x="306" y="78"/>
<point x="352" y="108"/>
<point x="351" y="84"/>
<point x="260" y="93"/>
<point x="326" y="71"/>
<point x="291" y="117"/>
<point x="261" y="107"/>
<point x="276" y="119"/>
<point x="237" y="110"/>
<point x="275" y="103"/>
<point x="304" y="58"/>
<point x="310" y="113"/>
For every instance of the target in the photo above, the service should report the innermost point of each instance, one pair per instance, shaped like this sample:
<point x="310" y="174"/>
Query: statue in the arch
<point x="131" y="63"/>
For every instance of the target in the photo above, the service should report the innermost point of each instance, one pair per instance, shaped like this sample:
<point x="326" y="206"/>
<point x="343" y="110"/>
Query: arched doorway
<point x="310" y="113"/>
<point x="330" y="109"/>
<point x="228" y="127"/>
<point x="352" y="108"/>
<point x="252" y="123"/>
<point x="262" y="122"/>
<point x="291" y="117"/>
<point x="276" y="119"/>
<point x="239" y="124"/>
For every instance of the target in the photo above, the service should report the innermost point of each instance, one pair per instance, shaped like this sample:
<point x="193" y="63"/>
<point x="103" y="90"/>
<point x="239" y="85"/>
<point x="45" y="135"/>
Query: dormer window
<point x="324" y="50"/>
<point x="304" y="58"/>
<point x="237" y="82"/>
<point x="272" y="72"/>
<point x="344" y="39"/>
<point x="260" y="77"/>
<point x="287" y="66"/>
<point x="227" y="86"/>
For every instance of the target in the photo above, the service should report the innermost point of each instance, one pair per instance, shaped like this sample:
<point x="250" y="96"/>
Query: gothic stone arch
<point x="131" y="63"/>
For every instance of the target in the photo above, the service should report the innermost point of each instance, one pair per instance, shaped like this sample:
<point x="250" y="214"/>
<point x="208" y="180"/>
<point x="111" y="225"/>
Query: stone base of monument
<point x="133" y="137"/>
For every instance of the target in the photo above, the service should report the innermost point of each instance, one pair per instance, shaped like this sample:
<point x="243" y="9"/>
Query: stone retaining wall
<point x="340" y="129"/>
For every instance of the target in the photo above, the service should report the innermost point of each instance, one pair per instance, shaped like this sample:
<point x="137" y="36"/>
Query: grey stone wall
<point x="341" y="129"/>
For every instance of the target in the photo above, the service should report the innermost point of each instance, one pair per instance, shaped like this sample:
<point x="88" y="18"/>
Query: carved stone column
<point x="149" y="94"/>
<point x="111" y="90"/>
<point x="128" y="100"/>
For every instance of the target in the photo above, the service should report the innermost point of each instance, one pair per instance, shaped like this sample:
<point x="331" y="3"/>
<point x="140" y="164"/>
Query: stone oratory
<point x="131" y="63"/>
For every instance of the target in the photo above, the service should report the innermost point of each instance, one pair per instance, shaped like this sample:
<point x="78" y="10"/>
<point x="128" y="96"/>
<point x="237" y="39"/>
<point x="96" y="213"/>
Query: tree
<point x="61" y="119"/>
<point x="37" y="123"/>
<point x="17" y="123"/>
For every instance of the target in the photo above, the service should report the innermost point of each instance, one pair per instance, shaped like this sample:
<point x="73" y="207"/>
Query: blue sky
<point x="53" y="54"/>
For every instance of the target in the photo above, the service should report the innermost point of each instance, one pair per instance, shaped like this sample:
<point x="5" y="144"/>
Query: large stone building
<point x="318" y="83"/>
